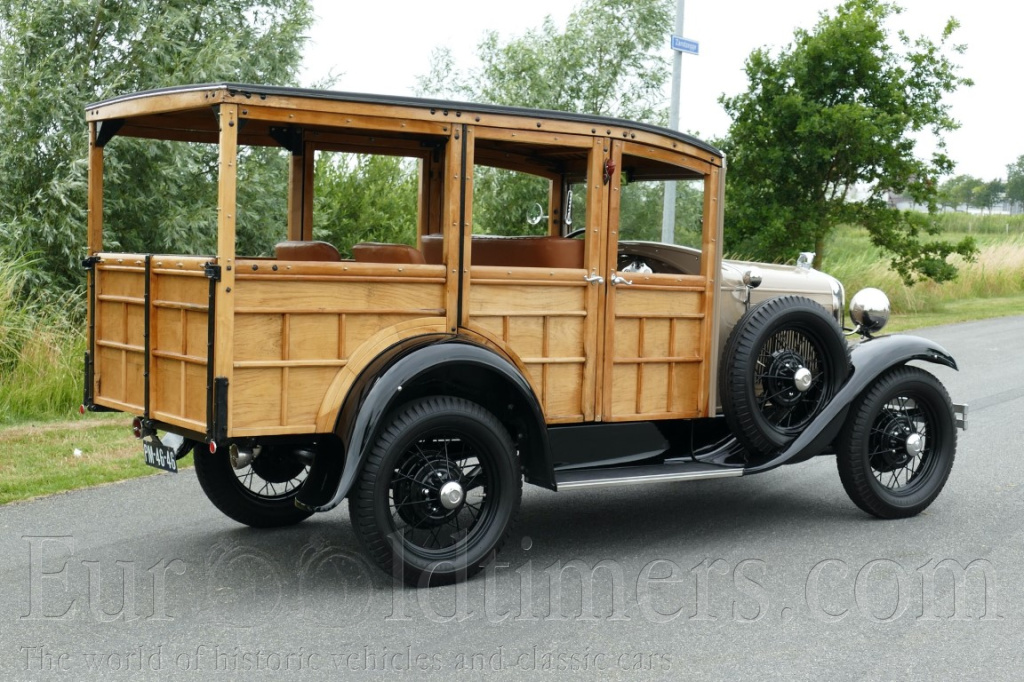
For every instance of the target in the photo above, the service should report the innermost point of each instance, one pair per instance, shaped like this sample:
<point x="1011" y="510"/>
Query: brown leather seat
<point x="316" y="251"/>
<point x="376" y="252"/>
<point x="529" y="251"/>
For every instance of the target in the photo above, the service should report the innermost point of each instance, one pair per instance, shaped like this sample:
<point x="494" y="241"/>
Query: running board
<point x="650" y="473"/>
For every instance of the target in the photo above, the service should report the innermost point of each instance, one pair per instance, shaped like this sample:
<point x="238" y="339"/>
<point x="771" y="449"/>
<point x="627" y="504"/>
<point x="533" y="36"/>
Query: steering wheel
<point x="575" y="233"/>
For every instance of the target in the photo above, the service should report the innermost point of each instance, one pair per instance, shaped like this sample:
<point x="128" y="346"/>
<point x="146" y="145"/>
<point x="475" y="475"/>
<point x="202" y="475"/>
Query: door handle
<point x="593" y="279"/>
<point x="616" y="280"/>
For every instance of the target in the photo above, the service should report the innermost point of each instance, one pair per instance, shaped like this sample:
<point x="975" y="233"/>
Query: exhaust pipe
<point x="241" y="457"/>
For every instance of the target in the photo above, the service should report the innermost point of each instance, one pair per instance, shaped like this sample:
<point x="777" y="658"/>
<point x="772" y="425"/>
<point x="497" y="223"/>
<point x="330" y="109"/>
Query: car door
<point x="658" y="331"/>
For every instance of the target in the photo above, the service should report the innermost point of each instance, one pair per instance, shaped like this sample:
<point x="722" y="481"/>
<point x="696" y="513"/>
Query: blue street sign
<point x="682" y="44"/>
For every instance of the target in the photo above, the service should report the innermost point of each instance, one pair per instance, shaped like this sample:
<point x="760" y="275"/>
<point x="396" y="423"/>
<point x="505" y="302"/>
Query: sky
<point x="381" y="47"/>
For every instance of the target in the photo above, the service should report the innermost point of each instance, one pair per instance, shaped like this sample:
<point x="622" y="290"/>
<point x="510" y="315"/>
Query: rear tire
<point x="439" y="492"/>
<point x="261" y="495"/>
<point x="898" y="444"/>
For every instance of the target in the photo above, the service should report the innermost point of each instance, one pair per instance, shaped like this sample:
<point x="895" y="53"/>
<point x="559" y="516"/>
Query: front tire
<point x="261" y="495"/>
<point x="439" y="492"/>
<point x="898" y="444"/>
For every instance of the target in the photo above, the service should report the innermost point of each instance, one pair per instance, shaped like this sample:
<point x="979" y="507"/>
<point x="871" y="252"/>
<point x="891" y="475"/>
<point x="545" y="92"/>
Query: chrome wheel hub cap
<point x="915" y="444"/>
<point x="802" y="379"/>
<point x="452" y="495"/>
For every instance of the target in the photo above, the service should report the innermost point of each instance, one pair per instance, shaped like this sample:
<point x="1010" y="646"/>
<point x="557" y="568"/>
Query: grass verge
<point x="53" y="457"/>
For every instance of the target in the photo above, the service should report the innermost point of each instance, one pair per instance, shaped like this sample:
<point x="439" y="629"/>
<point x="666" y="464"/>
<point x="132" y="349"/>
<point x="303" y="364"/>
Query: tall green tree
<point x="1015" y="182"/>
<point x="829" y="126"/>
<point x="56" y="57"/>
<point x="608" y="60"/>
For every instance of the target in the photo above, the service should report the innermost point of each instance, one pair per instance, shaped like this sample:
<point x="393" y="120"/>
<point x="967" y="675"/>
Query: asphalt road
<point x="770" y="576"/>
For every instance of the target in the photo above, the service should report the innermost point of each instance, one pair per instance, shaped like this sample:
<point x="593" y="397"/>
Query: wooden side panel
<point x="120" y="286"/>
<point x="540" y="315"/>
<point x="179" y="342"/>
<point x="295" y="331"/>
<point x="657" y="336"/>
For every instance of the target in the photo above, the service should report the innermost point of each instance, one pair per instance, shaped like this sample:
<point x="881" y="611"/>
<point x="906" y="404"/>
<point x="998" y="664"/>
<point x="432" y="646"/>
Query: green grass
<point x="53" y="457"/>
<point x="1005" y="225"/>
<point x="998" y="273"/>
<point x="951" y="312"/>
<point x="42" y="348"/>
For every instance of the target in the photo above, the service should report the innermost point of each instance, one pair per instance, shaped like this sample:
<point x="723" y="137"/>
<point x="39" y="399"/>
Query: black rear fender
<point x="417" y="367"/>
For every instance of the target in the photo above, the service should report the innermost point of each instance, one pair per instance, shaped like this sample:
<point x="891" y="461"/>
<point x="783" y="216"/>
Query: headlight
<point x="869" y="310"/>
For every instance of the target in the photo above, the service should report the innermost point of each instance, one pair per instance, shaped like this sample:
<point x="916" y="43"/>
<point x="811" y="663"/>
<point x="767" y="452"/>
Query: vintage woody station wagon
<point x="423" y="378"/>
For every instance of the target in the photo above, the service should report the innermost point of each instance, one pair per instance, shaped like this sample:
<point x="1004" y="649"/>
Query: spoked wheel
<point x="898" y="444"/>
<point x="261" y="494"/>
<point x="438" y="494"/>
<point x="789" y="383"/>
<point x="782" y="364"/>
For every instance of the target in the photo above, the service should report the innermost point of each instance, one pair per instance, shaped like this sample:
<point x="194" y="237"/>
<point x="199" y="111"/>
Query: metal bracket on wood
<point x="105" y="130"/>
<point x="288" y="137"/>
<point x="212" y="271"/>
<point x="91" y="262"/>
<point x="220" y="409"/>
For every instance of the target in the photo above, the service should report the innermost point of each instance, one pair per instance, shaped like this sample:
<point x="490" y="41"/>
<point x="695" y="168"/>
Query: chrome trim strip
<point x="653" y="478"/>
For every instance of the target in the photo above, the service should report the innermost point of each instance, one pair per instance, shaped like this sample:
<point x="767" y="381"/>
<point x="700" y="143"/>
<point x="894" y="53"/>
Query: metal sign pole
<point x="668" y="214"/>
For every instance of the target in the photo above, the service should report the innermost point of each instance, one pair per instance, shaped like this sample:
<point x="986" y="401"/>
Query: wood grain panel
<point x="286" y="360"/>
<point x="169" y="396"/>
<point x="339" y="296"/>
<point x="179" y="339"/>
<point x="528" y="300"/>
<point x="540" y="317"/>
<point x="306" y="389"/>
<point x="258" y="337"/>
<point x="120" y="343"/>
<point x="257" y="398"/>
<point x="312" y="337"/>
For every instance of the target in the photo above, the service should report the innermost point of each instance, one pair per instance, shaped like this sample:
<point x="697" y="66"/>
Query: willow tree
<point x="56" y="57"/>
<point x="609" y="59"/>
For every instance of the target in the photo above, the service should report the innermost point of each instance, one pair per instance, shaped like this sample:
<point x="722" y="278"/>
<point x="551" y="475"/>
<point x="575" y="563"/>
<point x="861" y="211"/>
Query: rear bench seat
<point x="318" y="251"/>
<point x="377" y="252"/>
<point x="530" y="251"/>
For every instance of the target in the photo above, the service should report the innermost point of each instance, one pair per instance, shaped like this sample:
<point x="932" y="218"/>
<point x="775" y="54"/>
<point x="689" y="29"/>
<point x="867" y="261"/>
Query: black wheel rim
<point x="273" y="475"/>
<point x="786" y="407"/>
<point x="441" y="460"/>
<point x="902" y="443"/>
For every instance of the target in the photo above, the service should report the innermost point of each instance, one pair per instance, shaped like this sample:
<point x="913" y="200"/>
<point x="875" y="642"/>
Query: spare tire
<point x="782" y="364"/>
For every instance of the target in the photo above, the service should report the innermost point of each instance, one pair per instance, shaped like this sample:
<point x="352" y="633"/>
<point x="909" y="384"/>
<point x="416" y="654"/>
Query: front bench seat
<point x="525" y="251"/>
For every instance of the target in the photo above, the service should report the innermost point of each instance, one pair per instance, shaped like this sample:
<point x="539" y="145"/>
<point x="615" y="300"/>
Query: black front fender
<point x="869" y="359"/>
<point x="394" y="377"/>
